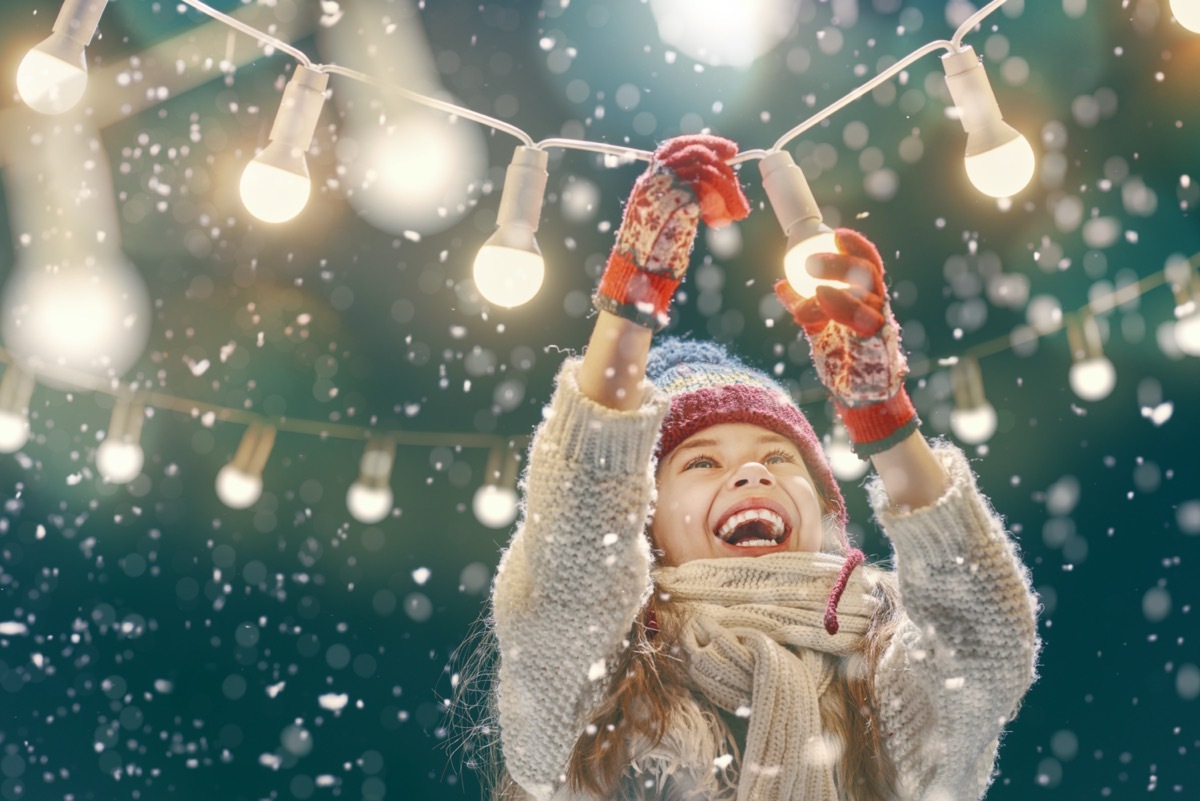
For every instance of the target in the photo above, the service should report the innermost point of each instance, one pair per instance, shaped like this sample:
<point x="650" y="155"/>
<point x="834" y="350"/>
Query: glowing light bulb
<point x="16" y="390"/>
<point x="800" y="217"/>
<point x="494" y="506"/>
<point x="119" y="462"/>
<point x="999" y="160"/>
<point x="52" y="76"/>
<point x="275" y="185"/>
<point x="973" y="420"/>
<point x="239" y="484"/>
<point x="238" y="489"/>
<point x="1187" y="14"/>
<point x="1187" y="333"/>
<point x="843" y="461"/>
<point x="509" y="268"/>
<point x="120" y="458"/>
<point x="370" y="498"/>
<point x="1093" y="379"/>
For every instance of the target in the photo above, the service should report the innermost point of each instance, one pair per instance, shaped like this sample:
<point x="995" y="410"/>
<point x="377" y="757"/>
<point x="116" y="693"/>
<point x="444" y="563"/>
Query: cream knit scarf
<point x="753" y="639"/>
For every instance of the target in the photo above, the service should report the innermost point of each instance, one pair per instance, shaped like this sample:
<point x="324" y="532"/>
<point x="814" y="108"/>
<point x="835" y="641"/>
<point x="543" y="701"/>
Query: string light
<point x="120" y="457"/>
<point x="843" y="461"/>
<point x="52" y="76"/>
<point x="1187" y="14"/>
<point x="16" y="390"/>
<point x="509" y="269"/>
<point x="800" y="217"/>
<point x="370" y="498"/>
<point x="1092" y="376"/>
<point x="973" y="419"/>
<point x="275" y="185"/>
<point x="496" y="503"/>
<point x="1187" y="312"/>
<point x="240" y="483"/>
<point x="999" y="160"/>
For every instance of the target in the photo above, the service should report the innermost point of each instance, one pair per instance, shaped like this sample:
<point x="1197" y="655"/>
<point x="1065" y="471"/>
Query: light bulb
<point x="844" y="463"/>
<point x="275" y="185"/>
<point x="509" y="268"/>
<point x="119" y="462"/>
<point x="53" y="75"/>
<point x="1187" y="14"/>
<point x="796" y="259"/>
<point x="369" y="504"/>
<point x="1004" y="170"/>
<point x="14" y="431"/>
<point x="507" y="276"/>
<point x="16" y="390"/>
<point x="1187" y="332"/>
<point x="240" y="483"/>
<point x="238" y="489"/>
<point x="999" y="160"/>
<point x="494" y="506"/>
<point x="974" y="426"/>
<point x="369" y="498"/>
<point x="798" y="214"/>
<point x="1092" y="379"/>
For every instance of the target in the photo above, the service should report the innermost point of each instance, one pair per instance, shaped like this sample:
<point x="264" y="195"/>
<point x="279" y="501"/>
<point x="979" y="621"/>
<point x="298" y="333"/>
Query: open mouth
<point x="753" y="528"/>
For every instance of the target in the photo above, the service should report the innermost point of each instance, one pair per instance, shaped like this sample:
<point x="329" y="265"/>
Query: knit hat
<point x="708" y="385"/>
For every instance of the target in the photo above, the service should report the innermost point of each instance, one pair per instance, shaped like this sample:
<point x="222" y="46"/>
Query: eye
<point x="779" y="456"/>
<point x="701" y="461"/>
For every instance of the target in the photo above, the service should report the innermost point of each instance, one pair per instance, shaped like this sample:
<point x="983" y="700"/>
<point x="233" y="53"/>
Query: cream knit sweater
<point x="577" y="572"/>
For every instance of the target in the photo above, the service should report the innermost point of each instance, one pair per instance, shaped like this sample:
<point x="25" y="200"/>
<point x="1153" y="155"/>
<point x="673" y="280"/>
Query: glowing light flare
<point x="710" y="32"/>
<point x="70" y="320"/>
<point x="843" y="461"/>
<point x="16" y="390"/>
<point x="1187" y="14"/>
<point x="239" y="484"/>
<point x="974" y="426"/>
<point x="1093" y="379"/>
<point x="275" y="185"/>
<point x="370" y="499"/>
<point x="1004" y="170"/>
<point x="506" y="276"/>
<point x="795" y="262"/>
<point x="119" y="462"/>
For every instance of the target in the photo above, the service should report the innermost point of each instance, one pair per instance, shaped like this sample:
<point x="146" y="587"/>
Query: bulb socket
<point x="78" y="20"/>
<point x="254" y="450"/>
<point x="789" y="194"/>
<point x="16" y="390"/>
<point x="375" y="466"/>
<point x="971" y="92"/>
<point x="300" y="109"/>
<point x="125" y="425"/>
<point x="524" y="189"/>
<point x="967" y="380"/>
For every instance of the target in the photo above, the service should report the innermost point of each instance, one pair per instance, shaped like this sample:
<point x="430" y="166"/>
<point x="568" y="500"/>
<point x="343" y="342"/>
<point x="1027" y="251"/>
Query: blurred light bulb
<point x="120" y="457"/>
<point x="999" y="160"/>
<point x="509" y="268"/>
<point x="973" y="420"/>
<point x="239" y="483"/>
<point x="495" y="507"/>
<point x="16" y="390"/>
<point x="275" y="185"/>
<point x="1187" y="14"/>
<point x="1093" y="379"/>
<point x="843" y="461"/>
<point x="1187" y="332"/>
<point x="800" y="217"/>
<point x="119" y="462"/>
<point x="52" y="76"/>
<point x="369" y="499"/>
<point x="236" y="488"/>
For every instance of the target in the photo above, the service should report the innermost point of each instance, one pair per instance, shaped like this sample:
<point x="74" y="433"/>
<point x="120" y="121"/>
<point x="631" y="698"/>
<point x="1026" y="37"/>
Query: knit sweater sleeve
<point x="574" y="575"/>
<point x="966" y="649"/>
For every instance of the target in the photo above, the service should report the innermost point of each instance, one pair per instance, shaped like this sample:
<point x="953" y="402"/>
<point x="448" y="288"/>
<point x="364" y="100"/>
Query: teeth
<point x="767" y="516"/>
<point x="755" y="544"/>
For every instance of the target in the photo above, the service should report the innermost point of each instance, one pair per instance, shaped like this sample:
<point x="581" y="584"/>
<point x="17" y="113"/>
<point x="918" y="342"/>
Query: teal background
<point x="172" y="643"/>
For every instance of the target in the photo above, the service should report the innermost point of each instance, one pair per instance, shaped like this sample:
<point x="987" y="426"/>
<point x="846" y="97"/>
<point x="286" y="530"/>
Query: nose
<point x="751" y="474"/>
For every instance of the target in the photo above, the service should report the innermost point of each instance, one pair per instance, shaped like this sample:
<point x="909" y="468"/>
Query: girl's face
<point x="735" y="489"/>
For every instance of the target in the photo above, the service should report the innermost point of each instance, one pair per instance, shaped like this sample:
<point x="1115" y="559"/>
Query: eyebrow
<point x="696" y="444"/>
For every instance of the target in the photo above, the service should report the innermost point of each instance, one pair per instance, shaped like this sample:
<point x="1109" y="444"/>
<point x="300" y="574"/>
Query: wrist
<point x="628" y="291"/>
<point x="876" y="427"/>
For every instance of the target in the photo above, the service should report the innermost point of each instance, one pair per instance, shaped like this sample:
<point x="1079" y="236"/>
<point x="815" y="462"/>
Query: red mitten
<point x="688" y="179"/>
<point x="855" y="343"/>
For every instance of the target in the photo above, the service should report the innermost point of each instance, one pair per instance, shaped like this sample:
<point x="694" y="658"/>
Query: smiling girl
<point x="680" y="615"/>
